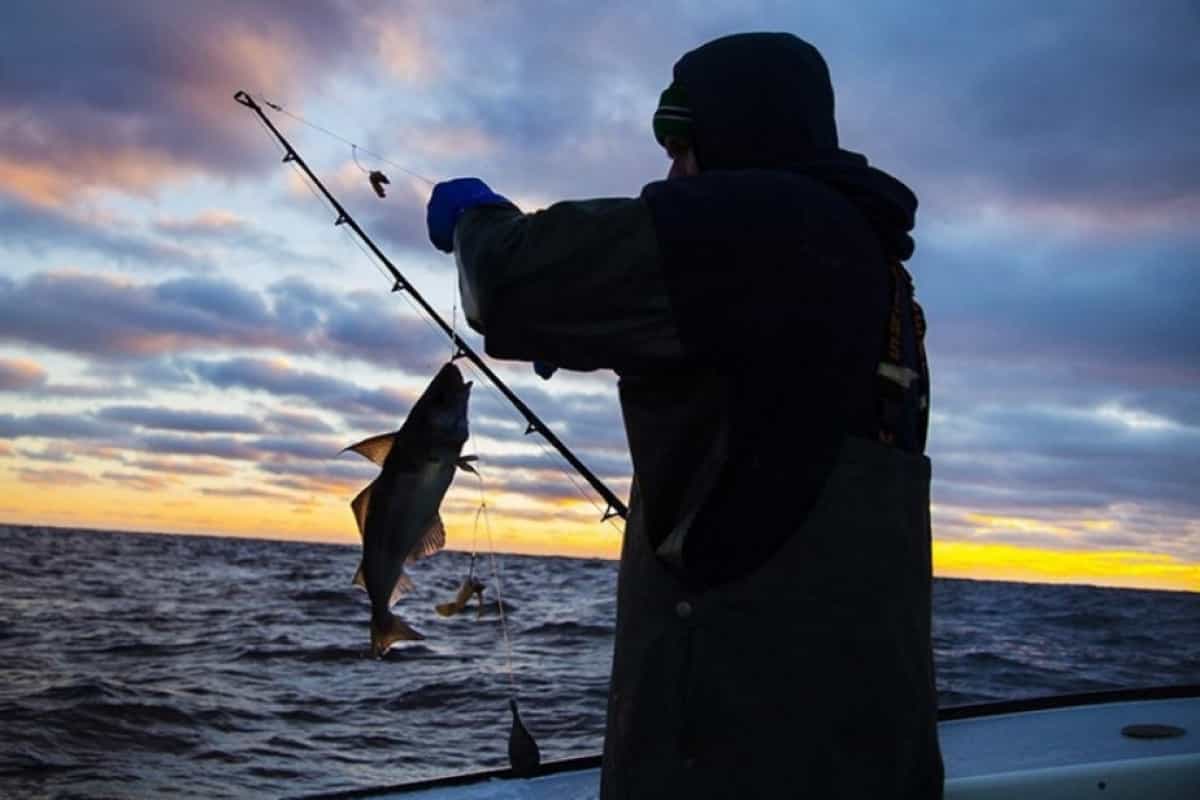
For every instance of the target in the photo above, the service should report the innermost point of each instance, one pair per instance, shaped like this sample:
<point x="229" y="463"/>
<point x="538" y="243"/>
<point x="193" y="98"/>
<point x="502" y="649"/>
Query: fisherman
<point x="773" y="620"/>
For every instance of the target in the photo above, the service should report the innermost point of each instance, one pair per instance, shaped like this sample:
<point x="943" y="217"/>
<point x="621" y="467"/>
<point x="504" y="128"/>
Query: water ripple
<point x="200" y="667"/>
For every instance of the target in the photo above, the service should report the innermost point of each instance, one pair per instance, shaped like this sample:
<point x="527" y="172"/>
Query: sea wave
<point x="202" y="667"/>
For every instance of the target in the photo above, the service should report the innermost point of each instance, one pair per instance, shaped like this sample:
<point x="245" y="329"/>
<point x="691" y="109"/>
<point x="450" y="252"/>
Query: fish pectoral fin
<point x="433" y="540"/>
<point x="464" y="463"/>
<point x="376" y="448"/>
<point x="403" y="586"/>
<point x="360" y="505"/>
<point x="359" y="579"/>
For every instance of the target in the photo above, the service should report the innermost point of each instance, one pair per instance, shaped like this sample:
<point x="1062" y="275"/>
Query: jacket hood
<point x="765" y="101"/>
<point x="758" y="100"/>
<point x="888" y="205"/>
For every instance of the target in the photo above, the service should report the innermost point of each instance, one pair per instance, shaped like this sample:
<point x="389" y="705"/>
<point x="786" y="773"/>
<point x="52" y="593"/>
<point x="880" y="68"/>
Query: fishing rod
<point x="534" y="424"/>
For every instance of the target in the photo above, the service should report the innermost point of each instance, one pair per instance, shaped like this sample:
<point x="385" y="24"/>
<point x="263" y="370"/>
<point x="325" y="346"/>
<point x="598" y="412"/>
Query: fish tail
<point x="387" y="629"/>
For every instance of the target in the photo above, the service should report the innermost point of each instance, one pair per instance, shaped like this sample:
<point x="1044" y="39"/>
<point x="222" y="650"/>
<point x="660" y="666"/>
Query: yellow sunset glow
<point x="520" y="524"/>
<point x="1125" y="568"/>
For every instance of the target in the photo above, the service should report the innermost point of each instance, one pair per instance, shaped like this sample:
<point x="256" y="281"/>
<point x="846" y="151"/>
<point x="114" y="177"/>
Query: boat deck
<point x="1059" y="751"/>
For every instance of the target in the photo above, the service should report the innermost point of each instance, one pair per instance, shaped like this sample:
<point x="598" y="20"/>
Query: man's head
<point x="751" y="100"/>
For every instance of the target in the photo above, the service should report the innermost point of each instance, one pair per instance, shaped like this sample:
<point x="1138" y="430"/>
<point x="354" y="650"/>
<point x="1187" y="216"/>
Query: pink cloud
<point x="20" y="374"/>
<point x="182" y="466"/>
<point x="135" y="480"/>
<point x="54" y="477"/>
<point x="147" y="100"/>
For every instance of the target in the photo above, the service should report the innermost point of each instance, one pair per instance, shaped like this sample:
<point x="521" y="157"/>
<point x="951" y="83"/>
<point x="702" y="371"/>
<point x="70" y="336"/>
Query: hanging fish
<point x="471" y="587"/>
<point x="397" y="513"/>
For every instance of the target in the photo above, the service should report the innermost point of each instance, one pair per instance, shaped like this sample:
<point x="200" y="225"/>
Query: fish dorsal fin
<point x="360" y="505"/>
<point x="403" y="586"/>
<point x="376" y="448"/>
<point x="359" y="579"/>
<point x="434" y="539"/>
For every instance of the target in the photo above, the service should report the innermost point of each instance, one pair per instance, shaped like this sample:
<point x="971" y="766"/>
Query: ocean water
<point x="136" y="665"/>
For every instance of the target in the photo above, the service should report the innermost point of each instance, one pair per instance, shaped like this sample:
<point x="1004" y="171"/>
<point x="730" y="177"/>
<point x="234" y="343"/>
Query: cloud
<point x="145" y="98"/>
<point x="54" y="477"/>
<point x="58" y="456"/>
<point x="1083" y="110"/>
<point x="51" y="425"/>
<point x="294" y="422"/>
<point x="586" y="421"/>
<point x="138" y="481"/>
<point x="324" y="466"/>
<point x="1069" y="326"/>
<point x="213" y="223"/>
<point x="372" y="326"/>
<point x="233" y="236"/>
<point x="308" y="447"/>
<point x="110" y="317"/>
<point x="248" y="492"/>
<point x="280" y="378"/>
<point x="118" y="318"/>
<point x="1079" y="115"/>
<point x="1035" y="452"/>
<point x="158" y="417"/>
<point x="41" y="231"/>
<point x="224" y="447"/>
<point x="176" y="466"/>
<point x="20" y="374"/>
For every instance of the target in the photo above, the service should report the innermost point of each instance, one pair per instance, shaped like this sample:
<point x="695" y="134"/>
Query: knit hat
<point x="751" y="100"/>
<point x="674" y="116"/>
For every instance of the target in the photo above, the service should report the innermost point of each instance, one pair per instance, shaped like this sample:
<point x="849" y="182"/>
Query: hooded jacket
<point x="775" y="569"/>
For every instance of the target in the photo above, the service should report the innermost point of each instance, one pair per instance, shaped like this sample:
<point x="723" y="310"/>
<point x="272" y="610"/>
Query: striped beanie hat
<point x="673" y="116"/>
<point x="750" y="101"/>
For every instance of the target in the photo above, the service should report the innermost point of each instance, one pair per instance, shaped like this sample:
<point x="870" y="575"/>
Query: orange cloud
<point x="139" y="480"/>
<point x="401" y="49"/>
<point x="175" y="466"/>
<point x="54" y="477"/>
<point x="20" y="373"/>
<point x="61" y="147"/>
<point x="211" y="221"/>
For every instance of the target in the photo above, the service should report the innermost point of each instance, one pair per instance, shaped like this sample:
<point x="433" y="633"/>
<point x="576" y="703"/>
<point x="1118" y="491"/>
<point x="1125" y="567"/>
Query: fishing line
<point x="543" y="448"/>
<point x="487" y="524"/>
<point x="354" y="147"/>
<point x="354" y="155"/>
<point x="547" y="453"/>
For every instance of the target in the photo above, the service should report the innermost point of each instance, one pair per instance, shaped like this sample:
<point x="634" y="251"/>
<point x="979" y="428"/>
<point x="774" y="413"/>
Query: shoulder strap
<point x="902" y="377"/>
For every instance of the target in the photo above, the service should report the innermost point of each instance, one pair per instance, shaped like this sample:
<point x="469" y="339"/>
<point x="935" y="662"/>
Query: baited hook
<point x="378" y="179"/>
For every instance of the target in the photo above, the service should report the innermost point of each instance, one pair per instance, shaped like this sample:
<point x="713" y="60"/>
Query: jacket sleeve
<point x="578" y="285"/>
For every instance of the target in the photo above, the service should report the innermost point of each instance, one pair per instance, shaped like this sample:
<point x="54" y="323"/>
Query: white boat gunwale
<point x="949" y="714"/>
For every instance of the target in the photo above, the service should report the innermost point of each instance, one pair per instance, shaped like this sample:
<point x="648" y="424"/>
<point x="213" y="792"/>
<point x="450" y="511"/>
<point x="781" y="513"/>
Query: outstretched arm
<point x="578" y="285"/>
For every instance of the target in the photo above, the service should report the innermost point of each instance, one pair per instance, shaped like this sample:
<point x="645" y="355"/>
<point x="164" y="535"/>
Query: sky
<point x="187" y="342"/>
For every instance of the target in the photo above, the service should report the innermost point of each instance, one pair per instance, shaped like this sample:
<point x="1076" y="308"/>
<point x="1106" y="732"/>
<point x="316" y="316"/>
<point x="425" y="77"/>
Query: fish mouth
<point x="450" y="373"/>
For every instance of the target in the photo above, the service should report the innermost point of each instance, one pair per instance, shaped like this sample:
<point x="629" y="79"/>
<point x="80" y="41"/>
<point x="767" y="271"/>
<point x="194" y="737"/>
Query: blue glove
<point x="448" y="202"/>
<point x="544" y="370"/>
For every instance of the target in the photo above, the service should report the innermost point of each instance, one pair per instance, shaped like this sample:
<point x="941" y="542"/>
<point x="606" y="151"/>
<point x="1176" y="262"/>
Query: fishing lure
<point x="378" y="179"/>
